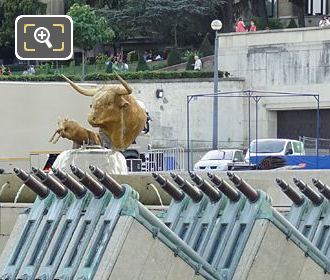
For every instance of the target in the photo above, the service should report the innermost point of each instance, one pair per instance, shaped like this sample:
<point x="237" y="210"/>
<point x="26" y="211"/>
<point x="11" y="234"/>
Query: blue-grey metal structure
<point x="207" y="225"/>
<point x="256" y="96"/>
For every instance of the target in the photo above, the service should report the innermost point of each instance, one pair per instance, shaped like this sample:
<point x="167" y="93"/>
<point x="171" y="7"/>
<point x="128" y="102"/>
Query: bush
<point x="45" y="68"/>
<point x="174" y="57"/>
<point x="275" y="24"/>
<point x="38" y="78"/>
<point x="142" y="75"/>
<point x="142" y="65"/>
<point x="18" y="67"/>
<point x="101" y="59"/>
<point x="292" y="24"/>
<point x="206" y="48"/>
<point x="132" y="56"/>
<point x="272" y="24"/>
<point x="260" y="23"/>
<point x="190" y="63"/>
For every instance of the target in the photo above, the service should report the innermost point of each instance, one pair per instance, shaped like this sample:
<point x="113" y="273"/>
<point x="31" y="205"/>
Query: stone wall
<point x="29" y="113"/>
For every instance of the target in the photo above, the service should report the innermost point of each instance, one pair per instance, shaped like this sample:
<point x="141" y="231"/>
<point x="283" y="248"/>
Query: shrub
<point x="45" y="68"/>
<point x="142" y="65"/>
<point x="260" y="23"/>
<point x="292" y="24"/>
<point x="275" y="24"/>
<point x="18" y="67"/>
<point x="132" y="56"/>
<point x="190" y="63"/>
<point x="272" y="23"/>
<point x="206" y="48"/>
<point x="101" y="58"/>
<point x="38" y="78"/>
<point x="173" y="57"/>
<point x="142" y="75"/>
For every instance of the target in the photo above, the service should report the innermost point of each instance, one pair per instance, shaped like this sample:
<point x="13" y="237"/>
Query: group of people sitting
<point x="116" y="64"/>
<point x="240" y="26"/>
<point x="149" y="56"/>
<point x="324" y="22"/>
<point x="30" y="70"/>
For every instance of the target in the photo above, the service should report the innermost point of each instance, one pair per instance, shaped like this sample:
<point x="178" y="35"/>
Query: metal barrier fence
<point x="310" y="144"/>
<point x="164" y="160"/>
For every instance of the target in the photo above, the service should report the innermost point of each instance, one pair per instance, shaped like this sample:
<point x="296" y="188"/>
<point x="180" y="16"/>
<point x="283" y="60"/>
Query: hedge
<point x="142" y="75"/>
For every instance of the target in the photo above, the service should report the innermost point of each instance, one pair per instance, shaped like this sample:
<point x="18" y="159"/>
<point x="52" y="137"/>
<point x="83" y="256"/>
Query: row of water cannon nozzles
<point x="201" y="187"/>
<point x="60" y="182"/>
<point x="297" y="198"/>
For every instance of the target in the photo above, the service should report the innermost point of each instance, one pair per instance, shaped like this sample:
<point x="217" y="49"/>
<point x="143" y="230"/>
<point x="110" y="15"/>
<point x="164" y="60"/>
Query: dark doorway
<point x="295" y="123"/>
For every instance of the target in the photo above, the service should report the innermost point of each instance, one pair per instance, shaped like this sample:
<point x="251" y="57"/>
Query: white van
<point x="275" y="147"/>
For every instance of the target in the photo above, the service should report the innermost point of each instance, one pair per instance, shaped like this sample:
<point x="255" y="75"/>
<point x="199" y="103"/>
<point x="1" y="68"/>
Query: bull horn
<point x="87" y="92"/>
<point x="125" y="84"/>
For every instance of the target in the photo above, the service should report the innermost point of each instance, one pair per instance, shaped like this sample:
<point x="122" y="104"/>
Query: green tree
<point x="88" y="29"/>
<point x="292" y="24"/>
<point x="9" y="10"/>
<point x="249" y="9"/>
<point x="69" y="3"/>
<point x="174" y="57"/>
<point x="165" y="19"/>
<point x="206" y="48"/>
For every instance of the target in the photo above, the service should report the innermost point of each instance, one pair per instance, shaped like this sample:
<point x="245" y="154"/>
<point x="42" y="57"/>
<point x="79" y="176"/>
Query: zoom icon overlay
<point x="43" y="37"/>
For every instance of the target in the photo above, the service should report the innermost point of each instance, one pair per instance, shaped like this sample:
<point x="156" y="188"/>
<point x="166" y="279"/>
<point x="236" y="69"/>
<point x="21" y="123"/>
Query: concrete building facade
<point x="54" y="7"/>
<point x="284" y="60"/>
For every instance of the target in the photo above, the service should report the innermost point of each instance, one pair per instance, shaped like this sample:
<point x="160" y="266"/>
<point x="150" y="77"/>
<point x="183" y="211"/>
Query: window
<point x="288" y="150"/>
<point x="271" y="6"/>
<point x="218" y="155"/>
<point x="267" y="146"/>
<point x="316" y="7"/>
<point x="238" y="157"/>
<point x="297" y="147"/>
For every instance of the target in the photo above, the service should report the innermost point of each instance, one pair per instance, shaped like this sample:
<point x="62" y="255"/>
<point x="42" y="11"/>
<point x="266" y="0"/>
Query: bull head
<point x="115" y="111"/>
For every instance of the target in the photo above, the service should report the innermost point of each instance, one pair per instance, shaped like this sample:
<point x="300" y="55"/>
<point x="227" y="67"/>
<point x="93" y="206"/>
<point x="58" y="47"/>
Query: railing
<point x="310" y="144"/>
<point x="164" y="159"/>
<point x="169" y="159"/>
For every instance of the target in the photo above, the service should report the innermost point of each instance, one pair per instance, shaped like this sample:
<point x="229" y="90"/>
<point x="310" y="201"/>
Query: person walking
<point x="240" y="26"/>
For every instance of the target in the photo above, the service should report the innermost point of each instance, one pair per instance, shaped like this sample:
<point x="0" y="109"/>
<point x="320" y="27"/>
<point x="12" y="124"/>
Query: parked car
<point x="219" y="160"/>
<point x="275" y="147"/>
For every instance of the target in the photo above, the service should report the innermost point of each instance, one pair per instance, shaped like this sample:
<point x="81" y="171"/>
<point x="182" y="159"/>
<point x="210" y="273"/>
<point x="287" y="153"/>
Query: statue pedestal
<point x="110" y="161"/>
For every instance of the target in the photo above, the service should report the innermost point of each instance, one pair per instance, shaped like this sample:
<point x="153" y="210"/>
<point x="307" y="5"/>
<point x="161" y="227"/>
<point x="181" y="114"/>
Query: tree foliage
<point x="9" y="10"/>
<point x="170" y="20"/>
<point x="88" y="28"/>
<point x="174" y="57"/>
<point x="249" y="9"/>
<point x="300" y="11"/>
<point x="206" y="48"/>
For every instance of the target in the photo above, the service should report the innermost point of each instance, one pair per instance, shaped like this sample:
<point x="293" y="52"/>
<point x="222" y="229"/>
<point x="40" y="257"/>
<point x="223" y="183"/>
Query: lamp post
<point x="216" y="25"/>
